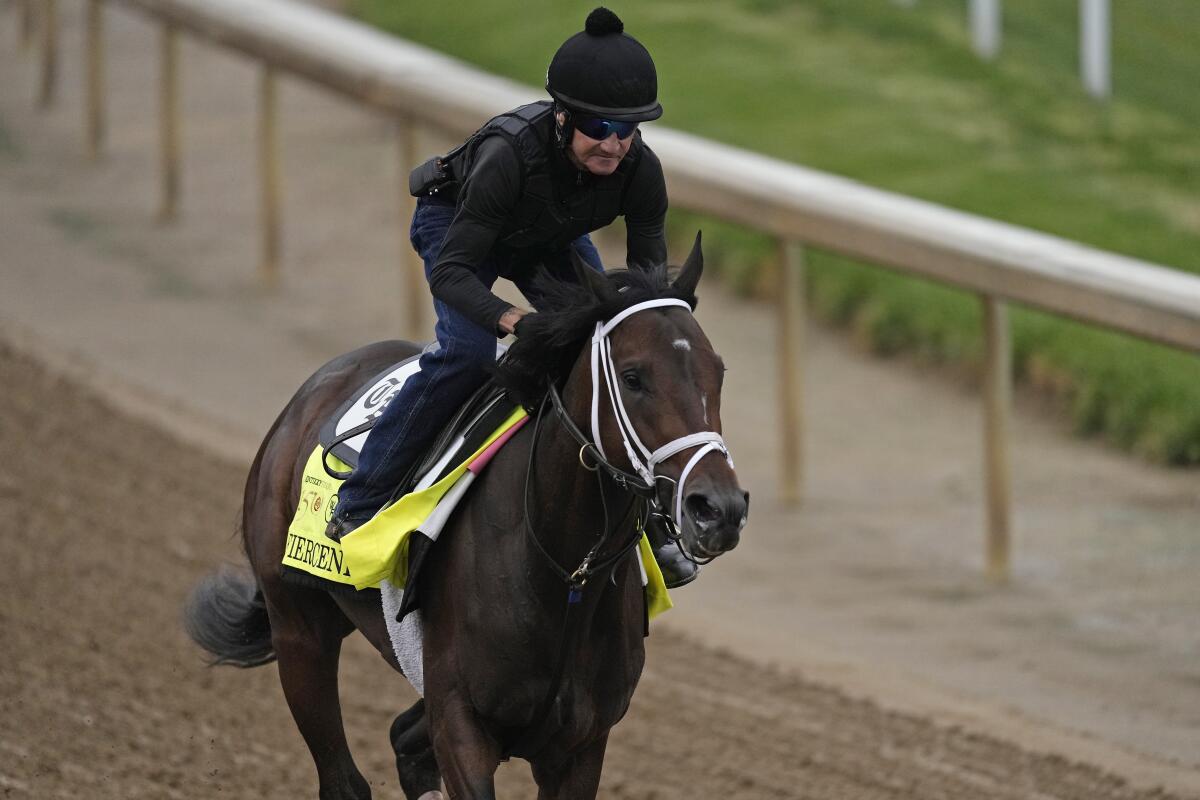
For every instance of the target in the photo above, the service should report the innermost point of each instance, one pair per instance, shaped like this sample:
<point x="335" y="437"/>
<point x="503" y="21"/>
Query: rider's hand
<point x="509" y="319"/>
<point x="523" y="322"/>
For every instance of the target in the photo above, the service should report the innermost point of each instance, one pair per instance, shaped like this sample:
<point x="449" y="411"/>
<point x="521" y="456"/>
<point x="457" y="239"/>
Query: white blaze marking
<point x="682" y="344"/>
<point x="704" y="403"/>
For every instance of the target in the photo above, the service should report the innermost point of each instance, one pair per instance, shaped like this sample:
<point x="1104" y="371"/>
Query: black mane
<point x="550" y="340"/>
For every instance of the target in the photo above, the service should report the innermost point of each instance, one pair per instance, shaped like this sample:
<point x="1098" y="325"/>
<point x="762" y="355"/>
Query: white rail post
<point x="997" y="401"/>
<point x="168" y="123"/>
<point x="94" y="112"/>
<point x="269" y="175"/>
<point x="411" y="266"/>
<point x="49" y="82"/>
<point x="1095" y="45"/>
<point x="985" y="27"/>
<point x="791" y="324"/>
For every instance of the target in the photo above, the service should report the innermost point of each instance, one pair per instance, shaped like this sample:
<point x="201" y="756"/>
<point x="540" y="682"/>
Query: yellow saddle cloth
<point x="378" y="549"/>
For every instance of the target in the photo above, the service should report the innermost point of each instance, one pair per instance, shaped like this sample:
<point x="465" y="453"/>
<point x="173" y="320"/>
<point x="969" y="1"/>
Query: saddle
<point x="345" y="433"/>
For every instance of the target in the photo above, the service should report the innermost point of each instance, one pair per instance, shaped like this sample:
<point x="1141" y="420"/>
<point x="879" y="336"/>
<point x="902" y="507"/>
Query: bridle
<point x="643" y="483"/>
<point x="644" y="461"/>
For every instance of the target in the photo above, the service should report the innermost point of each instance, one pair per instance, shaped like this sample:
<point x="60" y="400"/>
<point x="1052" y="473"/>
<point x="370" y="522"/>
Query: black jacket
<point x="520" y="199"/>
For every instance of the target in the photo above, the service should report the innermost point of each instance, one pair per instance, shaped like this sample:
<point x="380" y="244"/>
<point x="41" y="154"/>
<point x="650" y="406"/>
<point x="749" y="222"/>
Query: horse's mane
<point x="550" y="340"/>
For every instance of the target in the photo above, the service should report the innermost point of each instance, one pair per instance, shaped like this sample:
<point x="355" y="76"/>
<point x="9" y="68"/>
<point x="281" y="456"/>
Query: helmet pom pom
<point x="602" y="22"/>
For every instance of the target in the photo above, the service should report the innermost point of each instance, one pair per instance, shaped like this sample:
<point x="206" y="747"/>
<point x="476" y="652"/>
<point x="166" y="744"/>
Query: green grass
<point x="895" y="97"/>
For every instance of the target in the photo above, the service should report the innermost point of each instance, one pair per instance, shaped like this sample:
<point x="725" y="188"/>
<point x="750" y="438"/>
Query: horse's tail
<point x="226" y="615"/>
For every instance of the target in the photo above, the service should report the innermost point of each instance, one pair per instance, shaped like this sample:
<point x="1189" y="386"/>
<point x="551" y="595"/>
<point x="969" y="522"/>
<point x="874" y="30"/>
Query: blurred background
<point x="970" y="567"/>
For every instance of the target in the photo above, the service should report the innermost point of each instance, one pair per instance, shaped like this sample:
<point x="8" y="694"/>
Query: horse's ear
<point x="588" y="276"/>
<point x="689" y="275"/>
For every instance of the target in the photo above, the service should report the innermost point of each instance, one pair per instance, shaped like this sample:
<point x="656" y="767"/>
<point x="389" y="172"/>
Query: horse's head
<point x="655" y="383"/>
<point x="643" y="382"/>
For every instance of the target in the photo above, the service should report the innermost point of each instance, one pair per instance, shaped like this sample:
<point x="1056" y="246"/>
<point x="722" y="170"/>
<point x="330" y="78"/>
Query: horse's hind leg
<point x="307" y="631"/>
<point x="415" y="760"/>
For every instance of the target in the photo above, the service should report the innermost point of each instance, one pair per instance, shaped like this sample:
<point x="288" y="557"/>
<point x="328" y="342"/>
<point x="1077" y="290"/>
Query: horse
<point x="525" y="654"/>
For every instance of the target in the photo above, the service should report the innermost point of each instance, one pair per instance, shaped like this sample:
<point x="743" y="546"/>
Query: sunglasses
<point x="601" y="129"/>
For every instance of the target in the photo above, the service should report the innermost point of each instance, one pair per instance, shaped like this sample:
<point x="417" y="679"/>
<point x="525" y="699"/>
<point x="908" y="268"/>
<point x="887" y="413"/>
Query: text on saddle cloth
<point x="382" y="553"/>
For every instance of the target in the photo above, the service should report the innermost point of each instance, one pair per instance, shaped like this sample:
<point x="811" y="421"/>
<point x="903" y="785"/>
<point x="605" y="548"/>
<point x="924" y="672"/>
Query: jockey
<point x="521" y="193"/>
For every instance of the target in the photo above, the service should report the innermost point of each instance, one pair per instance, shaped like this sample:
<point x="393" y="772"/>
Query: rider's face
<point x="598" y="156"/>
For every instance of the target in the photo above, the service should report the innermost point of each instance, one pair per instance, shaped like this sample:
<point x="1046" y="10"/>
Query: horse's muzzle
<point x="717" y="517"/>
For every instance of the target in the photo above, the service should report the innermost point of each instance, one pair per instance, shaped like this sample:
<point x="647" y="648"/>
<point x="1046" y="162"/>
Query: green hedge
<point x="894" y="97"/>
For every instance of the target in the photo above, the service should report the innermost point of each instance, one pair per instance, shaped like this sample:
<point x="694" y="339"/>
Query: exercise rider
<point x="522" y="192"/>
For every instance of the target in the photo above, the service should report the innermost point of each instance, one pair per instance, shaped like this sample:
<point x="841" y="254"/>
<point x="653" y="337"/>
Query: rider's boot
<point x="677" y="569"/>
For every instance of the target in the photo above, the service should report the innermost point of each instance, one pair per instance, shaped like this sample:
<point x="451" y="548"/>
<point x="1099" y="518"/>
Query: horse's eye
<point x="632" y="381"/>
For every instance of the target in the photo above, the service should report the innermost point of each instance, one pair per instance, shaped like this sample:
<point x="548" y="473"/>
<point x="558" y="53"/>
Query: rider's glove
<point x="522" y="322"/>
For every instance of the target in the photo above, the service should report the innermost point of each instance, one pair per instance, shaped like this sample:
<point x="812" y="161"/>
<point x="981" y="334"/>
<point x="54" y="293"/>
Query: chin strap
<point x="643" y="460"/>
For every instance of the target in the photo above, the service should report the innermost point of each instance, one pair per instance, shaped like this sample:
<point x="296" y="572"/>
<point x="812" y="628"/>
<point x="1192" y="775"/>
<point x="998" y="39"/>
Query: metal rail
<point x="799" y="206"/>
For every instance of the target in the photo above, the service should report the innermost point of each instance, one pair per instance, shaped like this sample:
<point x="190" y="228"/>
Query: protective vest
<point x="558" y="203"/>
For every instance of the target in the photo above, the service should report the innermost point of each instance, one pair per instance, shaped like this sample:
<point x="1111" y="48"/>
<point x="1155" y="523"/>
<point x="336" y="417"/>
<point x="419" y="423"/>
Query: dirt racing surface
<point x="108" y="522"/>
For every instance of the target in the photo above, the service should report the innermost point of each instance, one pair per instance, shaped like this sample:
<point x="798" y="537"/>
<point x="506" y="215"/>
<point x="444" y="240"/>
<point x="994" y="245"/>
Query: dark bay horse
<point x="522" y="656"/>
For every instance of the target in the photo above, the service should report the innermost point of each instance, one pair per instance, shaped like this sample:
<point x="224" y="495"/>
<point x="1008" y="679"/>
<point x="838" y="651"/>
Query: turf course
<point x="895" y="97"/>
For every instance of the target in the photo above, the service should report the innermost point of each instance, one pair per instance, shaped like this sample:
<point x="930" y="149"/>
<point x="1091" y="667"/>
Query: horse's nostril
<point x="701" y="510"/>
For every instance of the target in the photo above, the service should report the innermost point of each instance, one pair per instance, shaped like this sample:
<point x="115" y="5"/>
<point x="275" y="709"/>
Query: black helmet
<point x="605" y="72"/>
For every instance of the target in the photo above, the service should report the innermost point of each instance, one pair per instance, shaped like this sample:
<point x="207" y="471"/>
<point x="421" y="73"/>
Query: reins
<point x="578" y="578"/>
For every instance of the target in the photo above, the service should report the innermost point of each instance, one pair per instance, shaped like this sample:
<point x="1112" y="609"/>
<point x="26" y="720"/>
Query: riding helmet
<point x="605" y="72"/>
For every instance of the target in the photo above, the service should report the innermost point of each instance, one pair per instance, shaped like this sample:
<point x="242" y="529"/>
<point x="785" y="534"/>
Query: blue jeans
<point x="448" y="377"/>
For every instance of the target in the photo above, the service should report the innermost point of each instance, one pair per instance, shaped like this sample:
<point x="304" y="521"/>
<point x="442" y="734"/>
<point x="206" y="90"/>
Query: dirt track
<point x="104" y="697"/>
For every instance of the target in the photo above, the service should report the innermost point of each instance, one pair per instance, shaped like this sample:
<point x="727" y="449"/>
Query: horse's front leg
<point x="466" y="754"/>
<point x="577" y="778"/>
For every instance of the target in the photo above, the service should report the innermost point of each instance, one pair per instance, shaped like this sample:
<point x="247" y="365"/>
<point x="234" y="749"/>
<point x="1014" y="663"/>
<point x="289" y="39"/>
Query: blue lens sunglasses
<point x="601" y="129"/>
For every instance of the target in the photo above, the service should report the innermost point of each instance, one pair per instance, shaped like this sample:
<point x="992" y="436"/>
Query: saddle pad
<point x="361" y="561"/>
